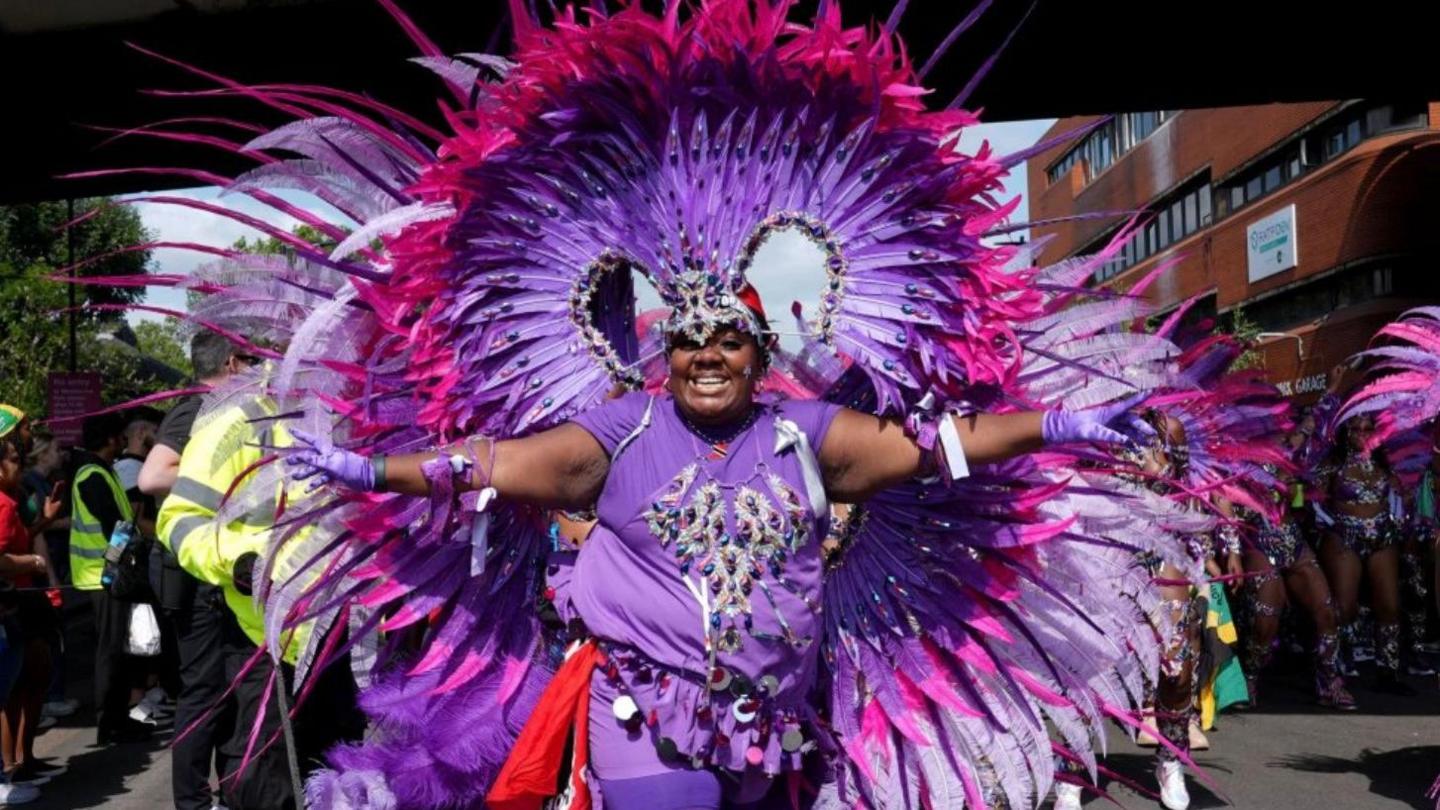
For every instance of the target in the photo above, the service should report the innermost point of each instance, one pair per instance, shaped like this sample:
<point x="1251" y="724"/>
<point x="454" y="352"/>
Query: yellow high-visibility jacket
<point x="87" y="536"/>
<point x="219" y="453"/>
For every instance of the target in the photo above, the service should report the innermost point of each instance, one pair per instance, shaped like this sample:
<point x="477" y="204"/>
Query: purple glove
<point x="319" y="459"/>
<point x="1090" y="425"/>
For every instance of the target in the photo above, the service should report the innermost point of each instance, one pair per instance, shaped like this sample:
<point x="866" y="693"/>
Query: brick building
<point x="1319" y="221"/>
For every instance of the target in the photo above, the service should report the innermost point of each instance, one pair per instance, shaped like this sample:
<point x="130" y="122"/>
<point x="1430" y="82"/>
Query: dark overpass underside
<point x="64" y="66"/>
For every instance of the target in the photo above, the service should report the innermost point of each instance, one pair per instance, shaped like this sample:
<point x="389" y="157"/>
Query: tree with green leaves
<point x="34" y="330"/>
<point x="162" y="341"/>
<point x="34" y="236"/>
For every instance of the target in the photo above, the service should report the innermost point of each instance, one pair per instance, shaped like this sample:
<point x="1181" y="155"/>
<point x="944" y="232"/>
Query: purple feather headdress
<point x="481" y="280"/>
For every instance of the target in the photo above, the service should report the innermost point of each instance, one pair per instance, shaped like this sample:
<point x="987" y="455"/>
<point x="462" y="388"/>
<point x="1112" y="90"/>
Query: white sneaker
<point x="151" y="708"/>
<point x="11" y="795"/>
<point x="1171" y="776"/>
<point x="1067" y="796"/>
<point x="142" y="713"/>
<point x="60" y="708"/>
<point x="46" y="721"/>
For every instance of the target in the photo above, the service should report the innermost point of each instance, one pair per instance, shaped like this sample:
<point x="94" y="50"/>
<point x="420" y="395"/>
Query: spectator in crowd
<point x="1417" y="543"/>
<point x="139" y="437"/>
<point x="98" y="503"/>
<point x="1429" y="517"/>
<point x="25" y="660"/>
<point x="161" y="672"/>
<point x="42" y="479"/>
<point x="13" y="421"/>
<point x="197" y="609"/>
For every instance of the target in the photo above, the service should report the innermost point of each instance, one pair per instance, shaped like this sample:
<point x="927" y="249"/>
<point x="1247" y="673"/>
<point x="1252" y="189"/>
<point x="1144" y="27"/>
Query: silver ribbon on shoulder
<point x="788" y="435"/>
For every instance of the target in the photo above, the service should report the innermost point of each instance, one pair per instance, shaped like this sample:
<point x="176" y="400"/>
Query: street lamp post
<point x="70" y="288"/>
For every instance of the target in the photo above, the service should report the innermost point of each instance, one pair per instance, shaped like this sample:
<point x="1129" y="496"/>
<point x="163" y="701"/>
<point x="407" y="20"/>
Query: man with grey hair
<point x="214" y="360"/>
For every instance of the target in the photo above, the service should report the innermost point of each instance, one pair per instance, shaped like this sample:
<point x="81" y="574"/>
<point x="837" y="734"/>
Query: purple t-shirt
<point x="698" y="551"/>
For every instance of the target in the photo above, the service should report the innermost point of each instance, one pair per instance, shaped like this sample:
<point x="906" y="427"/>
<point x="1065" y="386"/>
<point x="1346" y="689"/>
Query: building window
<point x="1353" y="133"/>
<point x="1335" y="144"/>
<point x="1272" y="179"/>
<point x="1106" y="144"/>
<point x="1172" y="218"/>
<point x="1320" y="297"/>
<point x="1290" y="162"/>
<point x="1382" y="281"/>
<point x="1409" y="116"/>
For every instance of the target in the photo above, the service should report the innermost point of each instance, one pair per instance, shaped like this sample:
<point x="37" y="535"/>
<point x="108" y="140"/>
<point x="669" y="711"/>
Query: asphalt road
<point x="1287" y="755"/>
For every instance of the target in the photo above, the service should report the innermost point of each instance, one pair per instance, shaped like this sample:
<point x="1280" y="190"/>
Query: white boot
<point x="1067" y="796"/>
<point x="1171" y="776"/>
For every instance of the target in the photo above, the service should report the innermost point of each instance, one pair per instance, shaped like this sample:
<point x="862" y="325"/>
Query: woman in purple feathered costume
<point x="702" y="582"/>
<point x="451" y="361"/>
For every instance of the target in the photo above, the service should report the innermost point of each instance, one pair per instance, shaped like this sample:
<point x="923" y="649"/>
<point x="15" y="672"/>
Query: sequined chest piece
<point x="1359" y="483"/>
<point x="731" y="543"/>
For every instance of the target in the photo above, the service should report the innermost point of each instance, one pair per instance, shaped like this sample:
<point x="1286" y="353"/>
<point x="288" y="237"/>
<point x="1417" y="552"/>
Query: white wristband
<point x="954" y="451"/>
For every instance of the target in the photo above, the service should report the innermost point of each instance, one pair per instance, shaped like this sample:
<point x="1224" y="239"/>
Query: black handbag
<point x="128" y="573"/>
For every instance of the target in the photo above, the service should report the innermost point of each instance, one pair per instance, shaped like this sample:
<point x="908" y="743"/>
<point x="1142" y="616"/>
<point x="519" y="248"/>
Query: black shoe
<point x="126" y="731"/>
<point x="1388" y="682"/>
<point x="40" y="767"/>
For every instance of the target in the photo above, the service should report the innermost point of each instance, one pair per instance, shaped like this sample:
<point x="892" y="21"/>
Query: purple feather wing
<point x="960" y="621"/>
<point x="1405" y="391"/>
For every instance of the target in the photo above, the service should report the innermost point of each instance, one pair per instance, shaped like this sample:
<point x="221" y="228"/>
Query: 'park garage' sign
<point x="1270" y="244"/>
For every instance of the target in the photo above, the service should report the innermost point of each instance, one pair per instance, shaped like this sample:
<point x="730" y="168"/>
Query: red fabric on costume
<point x="750" y="297"/>
<point x="532" y="770"/>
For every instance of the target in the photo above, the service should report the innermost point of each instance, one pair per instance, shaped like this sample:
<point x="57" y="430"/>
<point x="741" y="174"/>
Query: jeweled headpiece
<point x="702" y="302"/>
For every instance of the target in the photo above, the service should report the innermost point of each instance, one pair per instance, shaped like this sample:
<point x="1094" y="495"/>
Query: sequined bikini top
<point x="1352" y="489"/>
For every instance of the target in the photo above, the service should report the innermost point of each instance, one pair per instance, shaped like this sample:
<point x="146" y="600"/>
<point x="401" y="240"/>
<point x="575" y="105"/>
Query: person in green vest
<point x="98" y="502"/>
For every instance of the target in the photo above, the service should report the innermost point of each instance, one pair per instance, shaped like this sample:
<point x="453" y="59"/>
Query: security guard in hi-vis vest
<point x="98" y="503"/>
<point x="225" y="449"/>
